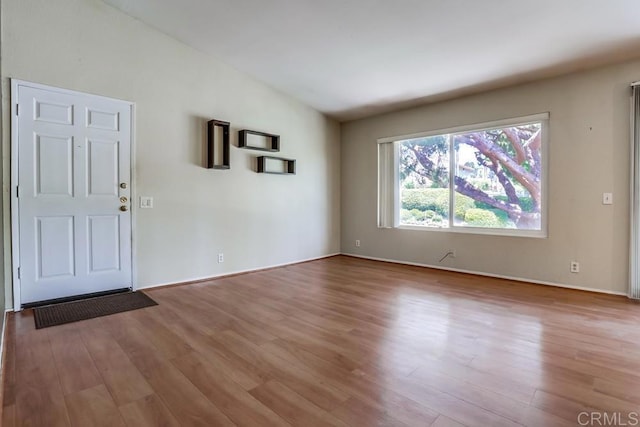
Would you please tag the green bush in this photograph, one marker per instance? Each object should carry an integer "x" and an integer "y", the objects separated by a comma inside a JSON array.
[
  {"x": 463, "y": 204},
  {"x": 526, "y": 203},
  {"x": 424, "y": 199},
  {"x": 431, "y": 205},
  {"x": 418, "y": 214},
  {"x": 483, "y": 184},
  {"x": 503, "y": 218},
  {"x": 418, "y": 217},
  {"x": 481, "y": 218}
]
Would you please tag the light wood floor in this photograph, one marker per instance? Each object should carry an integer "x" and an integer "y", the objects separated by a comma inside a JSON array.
[{"x": 340, "y": 341}]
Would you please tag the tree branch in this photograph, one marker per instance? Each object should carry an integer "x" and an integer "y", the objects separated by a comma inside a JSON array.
[
  {"x": 463, "y": 186},
  {"x": 533, "y": 145},
  {"x": 428, "y": 165},
  {"x": 523, "y": 220},
  {"x": 491, "y": 150},
  {"x": 514, "y": 140},
  {"x": 535, "y": 142},
  {"x": 509, "y": 189}
]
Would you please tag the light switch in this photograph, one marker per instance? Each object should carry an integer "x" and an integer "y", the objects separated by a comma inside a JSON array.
[
  {"x": 146, "y": 202},
  {"x": 607, "y": 198}
]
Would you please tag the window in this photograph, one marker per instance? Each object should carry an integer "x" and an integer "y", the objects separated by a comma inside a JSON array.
[{"x": 486, "y": 178}]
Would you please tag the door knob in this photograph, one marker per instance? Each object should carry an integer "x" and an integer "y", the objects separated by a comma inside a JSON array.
[
  {"x": 124, "y": 208},
  {"x": 123, "y": 199},
  {"x": 123, "y": 185}
]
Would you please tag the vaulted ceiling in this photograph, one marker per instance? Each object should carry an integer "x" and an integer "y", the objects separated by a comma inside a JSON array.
[{"x": 354, "y": 58}]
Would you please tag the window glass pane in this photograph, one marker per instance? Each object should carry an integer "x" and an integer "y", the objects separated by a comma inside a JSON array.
[
  {"x": 424, "y": 181},
  {"x": 498, "y": 178}
]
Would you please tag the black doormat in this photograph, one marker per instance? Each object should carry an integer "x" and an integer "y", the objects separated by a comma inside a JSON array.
[{"x": 67, "y": 312}]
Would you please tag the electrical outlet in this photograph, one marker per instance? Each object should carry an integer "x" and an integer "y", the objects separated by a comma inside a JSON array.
[
  {"x": 220, "y": 257},
  {"x": 607, "y": 198},
  {"x": 357, "y": 243},
  {"x": 574, "y": 267}
]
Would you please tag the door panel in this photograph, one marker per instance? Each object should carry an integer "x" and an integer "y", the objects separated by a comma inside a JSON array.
[
  {"x": 55, "y": 252},
  {"x": 53, "y": 112},
  {"x": 103, "y": 243},
  {"x": 54, "y": 165},
  {"x": 73, "y": 152},
  {"x": 103, "y": 120},
  {"x": 103, "y": 168}
]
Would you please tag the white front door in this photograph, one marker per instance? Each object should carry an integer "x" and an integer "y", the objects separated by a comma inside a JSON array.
[{"x": 73, "y": 191}]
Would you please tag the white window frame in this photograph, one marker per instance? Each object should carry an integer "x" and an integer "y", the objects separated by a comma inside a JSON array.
[{"x": 542, "y": 118}]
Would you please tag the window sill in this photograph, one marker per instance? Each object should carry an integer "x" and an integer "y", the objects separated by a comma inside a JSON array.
[{"x": 536, "y": 234}]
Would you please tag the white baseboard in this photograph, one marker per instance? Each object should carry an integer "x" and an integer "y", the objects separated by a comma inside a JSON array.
[
  {"x": 481, "y": 273},
  {"x": 233, "y": 273}
]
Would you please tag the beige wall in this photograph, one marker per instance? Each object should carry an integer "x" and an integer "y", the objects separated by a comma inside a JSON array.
[
  {"x": 588, "y": 155},
  {"x": 256, "y": 220}
]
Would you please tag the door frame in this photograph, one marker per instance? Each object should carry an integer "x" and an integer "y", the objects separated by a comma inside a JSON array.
[{"x": 15, "y": 214}]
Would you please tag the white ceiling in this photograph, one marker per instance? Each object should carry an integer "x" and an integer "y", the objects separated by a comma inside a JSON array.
[{"x": 354, "y": 58}]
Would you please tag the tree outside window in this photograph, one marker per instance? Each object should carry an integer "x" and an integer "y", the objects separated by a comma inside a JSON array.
[{"x": 495, "y": 176}]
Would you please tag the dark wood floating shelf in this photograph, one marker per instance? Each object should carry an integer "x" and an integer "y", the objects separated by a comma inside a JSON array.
[
  {"x": 273, "y": 140},
  {"x": 212, "y": 162},
  {"x": 290, "y": 165}
]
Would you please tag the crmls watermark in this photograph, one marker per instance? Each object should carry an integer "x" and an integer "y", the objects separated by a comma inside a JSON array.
[{"x": 609, "y": 419}]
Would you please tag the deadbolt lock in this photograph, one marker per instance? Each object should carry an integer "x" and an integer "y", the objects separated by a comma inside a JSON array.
[
  {"x": 124, "y": 208},
  {"x": 123, "y": 199},
  {"x": 123, "y": 185}
]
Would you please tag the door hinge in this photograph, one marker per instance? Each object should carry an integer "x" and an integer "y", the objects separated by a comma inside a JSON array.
[
  {"x": 17, "y": 191},
  {"x": 18, "y": 272},
  {"x": 17, "y": 109}
]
